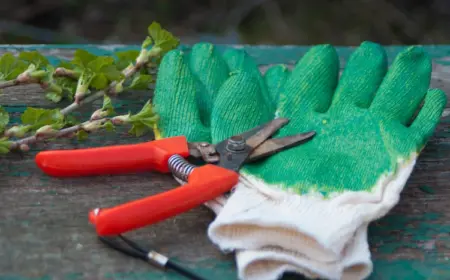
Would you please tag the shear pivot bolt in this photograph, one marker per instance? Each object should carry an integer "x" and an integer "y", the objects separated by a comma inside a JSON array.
[{"x": 236, "y": 143}]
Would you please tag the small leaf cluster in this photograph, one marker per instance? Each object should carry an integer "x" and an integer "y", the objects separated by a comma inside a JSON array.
[
  {"x": 77, "y": 78},
  {"x": 142, "y": 122}
]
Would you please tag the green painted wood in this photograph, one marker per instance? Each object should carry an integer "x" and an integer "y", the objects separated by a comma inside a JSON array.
[
  {"x": 44, "y": 233},
  {"x": 278, "y": 54}
]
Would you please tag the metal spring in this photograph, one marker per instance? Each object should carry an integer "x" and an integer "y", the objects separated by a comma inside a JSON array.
[{"x": 180, "y": 168}]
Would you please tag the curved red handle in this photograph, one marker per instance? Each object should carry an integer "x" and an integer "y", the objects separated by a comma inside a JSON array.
[
  {"x": 119, "y": 159},
  {"x": 205, "y": 183}
]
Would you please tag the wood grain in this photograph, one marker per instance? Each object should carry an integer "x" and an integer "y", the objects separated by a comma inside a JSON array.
[{"x": 44, "y": 231}]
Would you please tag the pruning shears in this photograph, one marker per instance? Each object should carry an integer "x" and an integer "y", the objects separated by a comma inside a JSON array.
[{"x": 203, "y": 183}]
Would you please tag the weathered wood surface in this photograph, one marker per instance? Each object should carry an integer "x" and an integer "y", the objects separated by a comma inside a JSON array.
[{"x": 44, "y": 231}]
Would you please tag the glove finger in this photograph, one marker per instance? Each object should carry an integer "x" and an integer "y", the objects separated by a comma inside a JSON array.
[
  {"x": 175, "y": 100},
  {"x": 404, "y": 86},
  {"x": 240, "y": 60},
  {"x": 429, "y": 115},
  {"x": 239, "y": 106},
  {"x": 361, "y": 77},
  {"x": 211, "y": 71},
  {"x": 311, "y": 84},
  {"x": 275, "y": 78}
]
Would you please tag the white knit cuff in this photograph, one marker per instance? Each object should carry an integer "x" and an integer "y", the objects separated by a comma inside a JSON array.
[
  {"x": 257, "y": 216},
  {"x": 271, "y": 263}
]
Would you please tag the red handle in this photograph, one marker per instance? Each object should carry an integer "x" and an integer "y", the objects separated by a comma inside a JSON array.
[
  {"x": 205, "y": 183},
  {"x": 149, "y": 156}
]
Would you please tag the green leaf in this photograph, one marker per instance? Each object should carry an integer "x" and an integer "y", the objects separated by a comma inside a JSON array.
[
  {"x": 82, "y": 58},
  {"x": 105, "y": 72},
  {"x": 35, "y": 58},
  {"x": 54, "y": 96},
  {"x": 138, "y": 129},
  {"x": 97, "y": 64},
  {"x": 107, "y": 105},
  {"x": 147, "y": 42},
  {"x": 100, "y": 81},
  {"x": 162, "y": 38},
  {"x": 141, "y": 82},
  {"x": 143, "y": 121},
  {"x": 71, "y": 120},
  {"x": 37, "y": 117},
  {"x": 112, "y": 73},
  {"x": 125, "y": 58},
  {"x": 66, "y": 64},
  {"x": 54, "y": 93},
  {"x": 82, "y": 135},
  {"x": 146, "y": 111},
  {"x": 97, "y": 71},
  {"x": 10, "y": 67},
  {"x": 4, "y": 119},
  {"x": 68, "y": 85},
  {"x": 129, "y": 55},
  {"x": 108, "y": 126},
  {"x": 5, "y": 145}
]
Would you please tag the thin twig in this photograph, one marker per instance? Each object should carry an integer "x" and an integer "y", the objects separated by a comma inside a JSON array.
[
  {"x": 60, "y": 134},
  {"x": 128, "y": 72},
  {"x": 25, "y": 142},
  {"x": 10, "y": 83}
]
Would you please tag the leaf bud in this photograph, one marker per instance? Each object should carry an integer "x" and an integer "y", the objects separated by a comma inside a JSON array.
[
  {"x": 46, "y": 131},
  {"x": 118, "y": 120},
  {"x": 24, "y": 147},
  {"x": 99, "y": 114},
  {"x": 16, "y": 131}
]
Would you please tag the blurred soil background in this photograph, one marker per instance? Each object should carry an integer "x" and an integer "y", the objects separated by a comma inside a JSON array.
[{"x": 276, "y": 22}]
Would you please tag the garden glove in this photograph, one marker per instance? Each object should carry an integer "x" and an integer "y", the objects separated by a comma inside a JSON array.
[
  {"x": 188, "y": 83},
  {"x": 307, "y": 209}
]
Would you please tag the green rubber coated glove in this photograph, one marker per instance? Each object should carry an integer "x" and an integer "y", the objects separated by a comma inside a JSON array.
[
  {"x": 307, "y": 209},
  {"x": 188, "y": 83}
]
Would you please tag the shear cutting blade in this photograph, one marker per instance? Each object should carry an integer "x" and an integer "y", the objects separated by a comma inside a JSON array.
[
  {"x": 257, "y": 143},
  {"x": 265, "y": 132},
  {"x": 272, "y": 146}
]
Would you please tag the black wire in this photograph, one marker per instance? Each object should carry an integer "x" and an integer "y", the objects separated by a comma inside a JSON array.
[
  {"x": 124, "y": 250},
  {"x": 133, "y": 244},
  {"x": 138, "y": 252}
]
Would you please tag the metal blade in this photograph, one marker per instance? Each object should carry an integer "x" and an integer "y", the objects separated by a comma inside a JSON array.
[
  {"x": 276, "y": 145},
  {"x": 208, "y": 152},
  {"x": 203, "y": 150},
  {"x": 234, "y": 151},
  {"x": 266, "y": 132}
]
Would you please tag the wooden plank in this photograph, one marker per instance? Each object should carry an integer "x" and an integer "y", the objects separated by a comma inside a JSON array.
[{"x": 44, "y": 233}]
